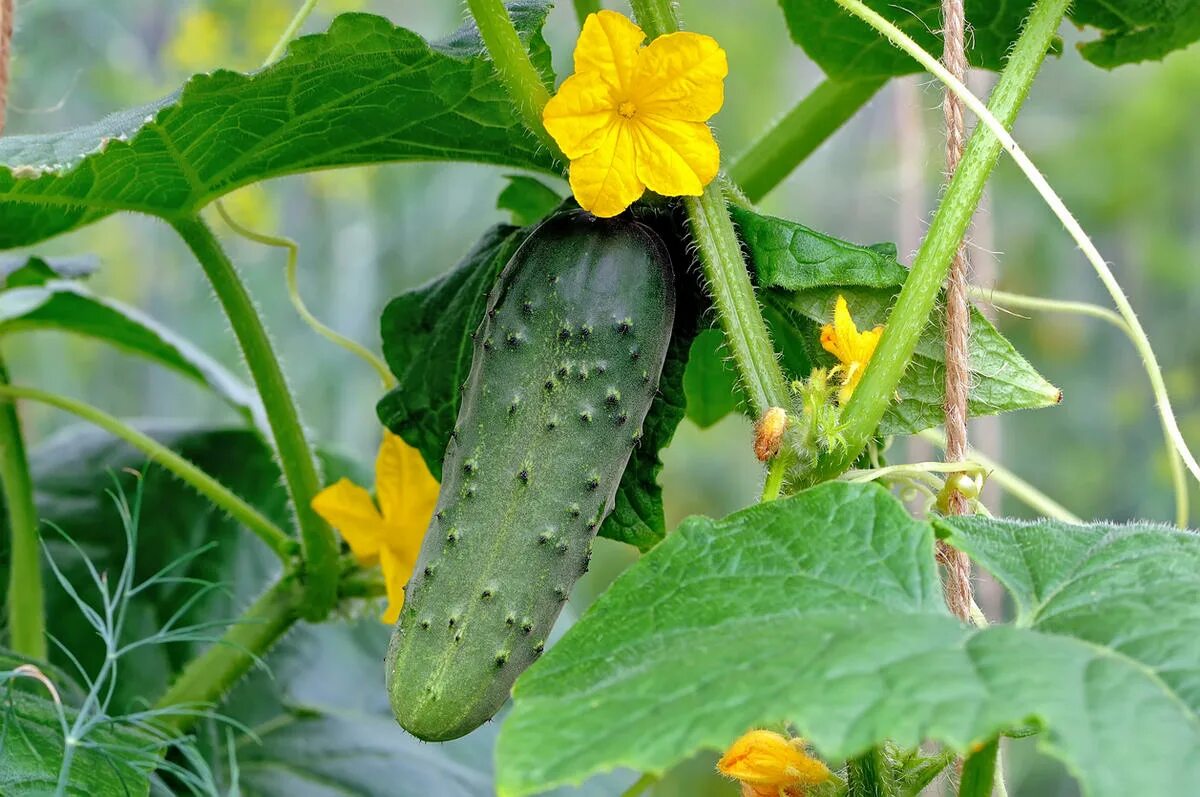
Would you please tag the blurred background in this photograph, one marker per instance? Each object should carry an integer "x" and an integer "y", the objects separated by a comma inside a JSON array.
[{"x": 1120, "y": 147}]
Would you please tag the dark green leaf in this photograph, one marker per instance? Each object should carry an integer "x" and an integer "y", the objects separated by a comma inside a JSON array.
[
  {"x": 824, "y": 610},
  {"x": 1136, "y": 30},
  {"x": 37, "y": 298},
  {"x": 710, "y": 382},
  {"x": 803, "y": 272},
  {"x": 528, "y": 199},
  {"x": 365, "y": 92}
]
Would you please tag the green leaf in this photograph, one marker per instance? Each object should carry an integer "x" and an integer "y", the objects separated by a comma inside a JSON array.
[
  {"x": 804, "y": 272},
  {"x": 426, "y": 336},
  {"x": 528, "y": 199},
  {"x": 1136, "y": 30},
  {"x": 710, "y": 382},
  {"x": 41, "y": 296},
  {"x": 846, "y": 48},
  {"x": 114, "y": 760},
  {"x": 365, "y": 92},
  {"x": 824, "y": 610}
]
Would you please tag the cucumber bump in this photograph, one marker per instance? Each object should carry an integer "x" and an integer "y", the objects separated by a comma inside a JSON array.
[{"x": 565, "y": 366}]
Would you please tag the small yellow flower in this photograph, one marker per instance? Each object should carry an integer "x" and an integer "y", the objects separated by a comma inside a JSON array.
[
  {"x": 391, "y": 534},
  {"x": 634, "y": 117},
  {"x": 853, "y": 348},
  {"x": 769, "y": 765}
]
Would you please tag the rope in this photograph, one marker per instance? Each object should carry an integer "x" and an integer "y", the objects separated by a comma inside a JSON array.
[{"x": 958, "y": 567}]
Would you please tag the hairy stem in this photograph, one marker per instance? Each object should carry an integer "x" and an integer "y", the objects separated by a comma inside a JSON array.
[
  {"x": 220, "y": 495},
  {"x": 296, "y": 457},
  {"x": 210, "y": 675},
  {"x": 797, "y": 135},
  {"x": 979, "y": 771},
  {"x": 26, "y": 604},
  {"x": 290, "y": 31},
  {"x": 870, "y": 775},
  {"x": 516, "y": 69},
  {"x": 912, "y": 310}
]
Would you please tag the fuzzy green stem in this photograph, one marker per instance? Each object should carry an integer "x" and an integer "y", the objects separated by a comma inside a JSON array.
[
  {"x": 515, "y": 67},
  {"x": 26, "y": 604},
  {"x": 797, "y": 135},
  {"x": 290, "y": 31},
  {"x": 220, "y": 495},
  {"x": 911, "y": 313},
  {"x": 296, "y": 457},
  {"x": 656, "y": 17},
  {"x": 583, "y": 8},
  {"x": 979, "y": 771},
  {"x": 209, "y": 676},
  {"x": 776, "y": 472},
  {"x": 870, "y": 775}
]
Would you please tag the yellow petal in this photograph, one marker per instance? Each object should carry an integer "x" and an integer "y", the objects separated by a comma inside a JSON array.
[
  {"x": 349, "y": 509},
  {"x": 605, "y": 181},
  {"x": 764, "y": 758},
  {"x": 674, "y": 158},
  {"x": 397, "y": 566},
  {"x": 681, "y": 75},
  {"x": 406, "y": 490},
  {"x": 579, "y": 115},
  {"x": 608, "y": 46}
]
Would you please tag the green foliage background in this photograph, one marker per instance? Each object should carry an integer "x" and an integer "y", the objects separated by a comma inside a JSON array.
[{"x": 1120, "y": 147}]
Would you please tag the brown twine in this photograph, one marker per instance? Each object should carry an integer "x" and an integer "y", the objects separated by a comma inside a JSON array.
[
  {"x": 6, "y": 31},
  {"x": 958, "y": 567}
]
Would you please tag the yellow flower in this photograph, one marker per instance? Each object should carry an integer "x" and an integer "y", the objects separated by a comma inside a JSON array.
[
  {"x": 391, "y": 534},
  {"x": 634, "y": 117},
  {"x": 202, "y": 41},
  {"x": 853, "y": 348},
  {"x": 769, "y": 765}
]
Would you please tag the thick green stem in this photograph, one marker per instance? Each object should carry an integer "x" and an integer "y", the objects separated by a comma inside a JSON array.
[
  {"x": 26, "y": 605},
  {"x": 911, "y": 313},
  {"x": 979, "y": 771},
  {"x": 220, "y": 495},
  {"x": 656, "y": 17},
  {"x": 296, "y": 457},
  {"x": 797, "y": 135},
  {"x": 516, "y": 69},
  {"x": 870, "y": 775},
  {"x": 209, "y": 676},
  {"x": 585, "y": 7}
]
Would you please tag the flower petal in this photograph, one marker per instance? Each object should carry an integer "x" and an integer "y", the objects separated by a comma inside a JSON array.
[
  {"x": 608, "y": 46},
  {"x": 605, "y": 181},
  {"x": 397, "y": 568},
  {"x": 349, "y": 509},
  {"x": 681, "y": 75},
  {"x": 579, "y": 115},
  {"x": 674, "y": 158},
  {"x": 406, "y": 490}
]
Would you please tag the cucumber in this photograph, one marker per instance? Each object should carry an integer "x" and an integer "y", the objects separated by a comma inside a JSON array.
[{"x": 566, "y": 364}]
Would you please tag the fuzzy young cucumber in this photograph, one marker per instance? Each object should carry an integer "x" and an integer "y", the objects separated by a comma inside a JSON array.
[{"x": 566, "y": 364}]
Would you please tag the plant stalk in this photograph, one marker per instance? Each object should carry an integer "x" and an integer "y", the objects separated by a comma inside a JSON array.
[
  {"x": 979, "y": 771},
  {"x": 515, "y": 67},
  {"x": 912, "y": 310},
  {"x": 870, "y": 775},
  {"x": 296, "y": 457},
  {"x": 26, "y": 602},
  {"x": 221, "y": 496},
  {"x": 290, "y": 31},
  {"x": 210, "y": 675},
  {"x": 797, "y": 135}
]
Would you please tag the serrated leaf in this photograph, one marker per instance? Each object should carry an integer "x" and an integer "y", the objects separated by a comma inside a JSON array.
[
  {"x": 427, "y": 343},
  {"x": 528, "y": 199},
  {"x": 37, "y": 297},
  {"x": 364, "y": 92},
  {"x": 824, "y": 610},
  {"x": 114, "y": 760},
  {"x": 1136, "y": 30},
  {"x": 802, "y": 271}
]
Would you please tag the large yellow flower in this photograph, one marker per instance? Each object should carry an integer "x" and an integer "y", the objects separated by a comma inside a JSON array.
[
  {"x": 391, "y": 534},
  {"x": 770, "y": 765},
  {"x": 853, "y": 348},
  {"x": 634, "y": 117}
]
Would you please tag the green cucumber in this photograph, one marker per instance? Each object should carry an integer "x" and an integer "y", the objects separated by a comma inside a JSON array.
[{"x": 566, "y": 364}]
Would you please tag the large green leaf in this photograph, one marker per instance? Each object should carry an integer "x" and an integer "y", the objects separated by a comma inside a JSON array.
[
  {"x": 40, "y": 295},
  {"x": 426, "y": 337},
  {"x": 825, "y": 610},
  {"x": 802, "y": 273},
  {"x": 365, "y": 92},
  {"x": 847, "y": 48}
]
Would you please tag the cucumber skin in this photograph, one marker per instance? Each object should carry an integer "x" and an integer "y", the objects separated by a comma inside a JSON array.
[{"x": 565, "y": 367}]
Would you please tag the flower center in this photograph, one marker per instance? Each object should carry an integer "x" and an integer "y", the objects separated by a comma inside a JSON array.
[{"x": 627, "y": 109}]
